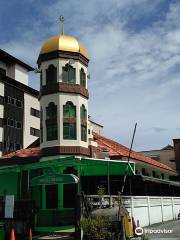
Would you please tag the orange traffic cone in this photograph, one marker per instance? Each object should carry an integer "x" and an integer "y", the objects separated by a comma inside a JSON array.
[
  {"x": 30, "y": 234},
  {"x": 12, "y": 234}
]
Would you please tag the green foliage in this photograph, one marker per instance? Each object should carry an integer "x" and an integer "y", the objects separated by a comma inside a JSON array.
[
  {"x": 97, "y": 228},
  {"x": 145, "y": 237}
]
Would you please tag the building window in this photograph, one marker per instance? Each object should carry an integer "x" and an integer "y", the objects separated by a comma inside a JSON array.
[
  {"x": 1, "y": 122},
  {"x": 69, "y": 121},
  {"x": 154, "y": 173},
  {"x": 35, "y": 112},
  {"x": 18, "y": 125},
  {"x": 1, "y": 146},
  {"x": 7, "y": 99},
  {"x": 83, "y": 123},
  {"x": 69, "y": 131},
  {"x": 2, "y": 72},
  {"x": 82, "y": 78},
  {"x": 83, "y": 133},
  {"x": 69, "y": 110},
  {"x": 34, "y": 132},
  {"x": 1, "y": 100},
  {"x": 51, "y": 74},
  {"x": 19, "y": 103},
  {"x": 83, "y": 113},
  {"x": 13, "y": 101},
  {"x": 69, "y": 74},
  {"x": 51, "y": 122},
  {"x": 11, "y": 123}
]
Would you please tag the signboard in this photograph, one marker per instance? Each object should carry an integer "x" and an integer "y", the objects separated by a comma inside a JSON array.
[
  {"x": 50, "y": 179},
  {"x": 9, "y": 206}
]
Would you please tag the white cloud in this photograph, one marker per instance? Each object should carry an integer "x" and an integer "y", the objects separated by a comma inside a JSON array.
[{"x": 134, "y": 74}]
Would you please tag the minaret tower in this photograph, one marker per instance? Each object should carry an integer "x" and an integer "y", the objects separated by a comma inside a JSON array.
[{"x": 63, "y": 63}]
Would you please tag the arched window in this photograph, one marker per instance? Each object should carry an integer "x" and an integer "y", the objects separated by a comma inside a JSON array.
[
  {"x": 69, "y": 110},
  {"x": 51, "y": 122},
  {"x": 51, "y": 74},
  {"x": 83, "y": 123},
  {"x": 69, "y": 121},
  {"x": 69, "y": 74},
  {"x": 82, "y": 78}
]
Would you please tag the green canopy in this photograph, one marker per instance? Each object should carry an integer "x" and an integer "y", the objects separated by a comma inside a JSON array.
[{"x": 49, "y": 179}]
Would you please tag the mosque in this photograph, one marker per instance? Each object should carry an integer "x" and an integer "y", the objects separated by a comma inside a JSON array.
[{"x": 71, "y": 153}]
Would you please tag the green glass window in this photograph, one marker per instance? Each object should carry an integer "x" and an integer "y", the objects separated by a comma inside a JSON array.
[
  {"x": 69, "y": 74},
  {"x": 84, "y": 133},
  {"x": 51, "y": 122},
  {"x": 83, "y": 123},
  {"x": 83, "y": 113},
  {"x": 69, "y": 110},
  {"x": 69, "y": 121},
  {"x": 51, "y": 111},
  {"x": 51, "y": 132},
  {"x": 82, "y": 78},
  {"x": 69, "y": 131}
]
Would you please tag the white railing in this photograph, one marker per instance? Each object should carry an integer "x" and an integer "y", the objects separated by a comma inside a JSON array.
[{"x": 145, "y": 209}]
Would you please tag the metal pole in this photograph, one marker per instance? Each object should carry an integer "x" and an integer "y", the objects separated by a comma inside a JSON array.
[
  {"x": 62, "y": 24},
  {"x": 125, "y": 176},
  {"x": 108, "y": 180}
]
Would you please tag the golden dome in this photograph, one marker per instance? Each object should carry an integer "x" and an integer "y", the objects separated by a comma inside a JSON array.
[{"x": 64, "y": 43}]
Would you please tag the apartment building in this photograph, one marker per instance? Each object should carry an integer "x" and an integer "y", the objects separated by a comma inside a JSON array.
[{"x": 19, "y": 105}]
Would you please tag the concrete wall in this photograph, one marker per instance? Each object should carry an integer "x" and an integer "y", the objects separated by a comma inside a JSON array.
[
  {"x": 17, "y": 72},
  {"x": 96, "y": 127},
  {"x": 21, "y": 74},
  {"x": 29, "y": 120},
  {"x": 150, "y": 210},
  {"x": 166, "y": 156}
]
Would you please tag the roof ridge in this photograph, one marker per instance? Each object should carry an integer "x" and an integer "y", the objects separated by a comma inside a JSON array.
[{"x": 135, "y": 155}]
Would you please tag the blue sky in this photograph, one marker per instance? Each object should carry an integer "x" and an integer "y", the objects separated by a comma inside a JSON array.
[{"x": 135, "y": 59}]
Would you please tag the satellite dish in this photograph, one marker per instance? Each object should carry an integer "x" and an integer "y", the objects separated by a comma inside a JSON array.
[{"x": 88, "y": 76}]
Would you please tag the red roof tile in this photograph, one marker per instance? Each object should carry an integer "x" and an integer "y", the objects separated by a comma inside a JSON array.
[
  {"x": 117, "y": 149},
  {"x": 104, "y": 144},
  {"x": 29, "y": 152}
]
